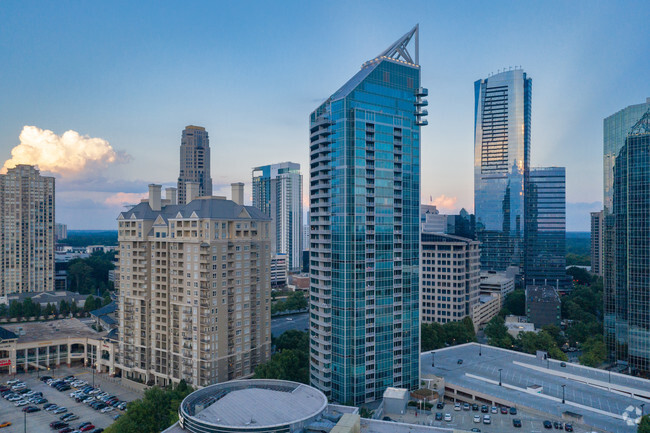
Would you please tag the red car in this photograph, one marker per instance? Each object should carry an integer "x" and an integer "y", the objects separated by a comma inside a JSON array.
[
  {"x": 87, "y": 427},
  {"x": 504, "y": 410}
]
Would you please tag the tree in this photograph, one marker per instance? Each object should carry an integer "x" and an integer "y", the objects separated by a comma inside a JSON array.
[
  {"x": 292, "y": 339},
  {"x": 289, "y": 364},
  {"x": 15, "y": 309},
  {"x": 4, "y": 310},
  {"x": 80, "y": 275},
  {"x": 89, "y": 304},
  {"x": 531, "y": 342},
  {"x": 156, "y": 411},
  {"x": 556, "y": 333},
  {"x": 515, "y": 303},
  {"x": 644, "y": 425},
  {"x": 594, "y": 352},
  {"x": 497, "y": 333},
  {"x": 64, "y": 308},
  {"x": 29, "y": 308},
  {"x": 432, "y": 336},
  {"x": 107, "y": 298},
  {"x": 580, "y": 275}
]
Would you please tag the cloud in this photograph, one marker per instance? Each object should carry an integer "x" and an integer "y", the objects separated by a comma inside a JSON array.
[
  {"x": 124, "y": 198},
  {"x": 443, "y": 202},
  {"x": 68, "y": 155}
]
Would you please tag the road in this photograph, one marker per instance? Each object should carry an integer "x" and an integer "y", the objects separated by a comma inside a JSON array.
[{"x": 299, "y": 322}]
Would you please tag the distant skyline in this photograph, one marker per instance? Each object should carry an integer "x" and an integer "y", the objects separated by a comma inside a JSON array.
[{"x": 131, "y": 76}]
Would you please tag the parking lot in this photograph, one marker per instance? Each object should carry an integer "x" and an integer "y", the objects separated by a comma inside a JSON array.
[
  {"x": 39, "y": 422},
  {"x": 464, "y": 420}
]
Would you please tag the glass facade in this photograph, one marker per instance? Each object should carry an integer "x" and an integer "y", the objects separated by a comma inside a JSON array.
[
  {"x": 545, "y": 228},
  {"x": 615, "y": 130},
  {"x": 364, "y": 224},
  {"x": 501, "y": 164},
  {"x": 631, "y": 224},
  {"x": 277, "y": 192}
]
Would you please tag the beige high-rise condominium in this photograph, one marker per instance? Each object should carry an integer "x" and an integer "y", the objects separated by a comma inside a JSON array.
[
  {"x": 194, "y": 289},
  {"x": 27, "y": 234}
]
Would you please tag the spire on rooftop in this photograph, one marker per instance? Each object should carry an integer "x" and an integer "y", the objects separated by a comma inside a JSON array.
[{"x": 399, "y": 51}]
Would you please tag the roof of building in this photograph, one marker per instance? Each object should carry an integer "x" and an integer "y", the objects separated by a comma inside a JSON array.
[
  {"x": 443, "y": 237},
  {"x": 202, "y": 207},
  {"x": 48, "y": 297},
  {"x": 253, "y": 404},
  {"x": 542, "y": 294},
  {"x": 36, "y": 331},
  {"x": 106, "y": 309},
  {"x": 6, "y": 334},
  {"x": 398, "y": 393},
  {"x": 603, "y": 399}
]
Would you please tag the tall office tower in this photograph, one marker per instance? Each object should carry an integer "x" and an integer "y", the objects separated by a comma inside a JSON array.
[
  {"x": 195, "y": 163},
  {"x": 277, "y": 191},
  {"x": 451, "y": 276},
  {"x": 597, "y": 243},
  {"x": 615, "y": 130},
  {"x": 364, "y": 252},
  {"x": 431, "y": 220},
  {"x": 501, "y": 161},
  {"x": 545, "y": 228},
  {"x": 27, "y": 235},
  {"x": 194, "y": 289},
  {"x": 631, "y": 212}
]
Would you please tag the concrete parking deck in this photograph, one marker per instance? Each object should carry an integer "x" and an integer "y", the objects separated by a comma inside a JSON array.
[{"x": 607, "y": 406}]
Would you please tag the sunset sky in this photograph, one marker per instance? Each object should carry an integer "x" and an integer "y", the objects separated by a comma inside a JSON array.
[{"x": 125, "y": 78}]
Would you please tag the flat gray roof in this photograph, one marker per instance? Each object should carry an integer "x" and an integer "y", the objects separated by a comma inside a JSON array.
[
  {"x": 51, "y": 330},
  {"x": 251, "y": 407},
  {"x": 588, "y": 391}
]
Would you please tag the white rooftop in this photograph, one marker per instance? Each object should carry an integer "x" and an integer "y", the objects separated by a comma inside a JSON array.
[
  {"x": 398, "y": 393},
  {"x": 252, "y": 407}
]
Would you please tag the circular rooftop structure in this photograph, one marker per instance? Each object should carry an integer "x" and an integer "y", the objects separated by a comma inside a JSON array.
[{"x": 255, "y": 405}]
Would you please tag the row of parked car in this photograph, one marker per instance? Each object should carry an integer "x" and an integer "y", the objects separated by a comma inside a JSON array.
[{"x": 17, "y": 392}]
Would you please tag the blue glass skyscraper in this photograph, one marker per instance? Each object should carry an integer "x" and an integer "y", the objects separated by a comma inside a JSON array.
[
  {"x": 364, "y": 224},
  {"x": 502, "y": 109}
]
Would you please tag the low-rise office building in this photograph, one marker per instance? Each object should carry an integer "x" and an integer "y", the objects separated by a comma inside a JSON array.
[
  {"x": 500, "y": 283},
  {"x": 486, "y": 309},
  {"x": 543, "y": 306},
  {"x": 48, "y": 345}
]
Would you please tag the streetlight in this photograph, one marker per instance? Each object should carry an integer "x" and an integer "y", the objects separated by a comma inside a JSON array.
[
  {"x": 563, "y": 393},
  {"x": 642, "y": 405},
  {"x": 500, "y": 376},
  {"x": 479, "y": 349},
  {"x": 610, "y": 376},
  {"x": 433, "y": 359},
  {"x": 25, "y": 420}
]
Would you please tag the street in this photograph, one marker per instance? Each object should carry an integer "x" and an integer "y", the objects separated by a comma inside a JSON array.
[{"x": 298, "y": 322}]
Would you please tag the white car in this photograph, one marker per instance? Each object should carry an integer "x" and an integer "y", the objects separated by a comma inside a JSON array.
[
  {"x": 13, "y": 381},
  {"x": 487, "y": 419},
  {"x": 457, "y": 406},
  {"x": 447, "y": 417},
  {"x": 107, "y": 409},
  {"x": 21, "y": 403},
  {"x": 477, "y": 418},
  {"x": 494, "y": 409}
]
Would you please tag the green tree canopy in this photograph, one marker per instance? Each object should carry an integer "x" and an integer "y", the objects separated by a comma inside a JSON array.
[
  {"x": 515, "y": 303},
  {"x": 497, "y": 333},
  {"x": 89, "y": 304},
  {"x": 156, "y": 411},
  {"x": 531, "y": 342},
  {"x": 594, "y": 352},
  {"x": 292, "y": 339},
  {"x": 644, "y": 425}
]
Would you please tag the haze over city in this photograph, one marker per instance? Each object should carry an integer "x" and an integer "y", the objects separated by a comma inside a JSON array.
[{"x": 125, "y": 79}]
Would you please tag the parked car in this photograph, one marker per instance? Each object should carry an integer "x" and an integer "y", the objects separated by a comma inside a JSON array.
[
  {"x": 87, "y": 428},
  {"x": 65, "y": 430},
  {"x": 513, "y": 411},
  {"x": 97, "y": 430},
  {"x": 5, "y": 424},
  {"x": 475, "y": 407},
  {"x": 58, "y": 424},
  {"x": 557, "y": 425},
  {"x": 548, "y": 424},
  {"x": 107, "y": 409},
  {"x": 13, "y": 381},
  {"x": 52, "y": 408},
  {"x": 438, "y": 416},
  {"x": 516, "y": 422},
  {"x": 440, "y": 405},
  {"x": 487, "y": 419},
  {"x": 59, "y": 410},
  {"x": 568, "y": 427},
  {"x": 448, "y": 417},
  {"x": 32, "y": 409},
  {"x": 45, "y": 378},
  {"x": 20, "y": 403},
  {"x": 504, "y": 410},
  {"x": 477, "y": 418},
  {"x": 484, "y": 409},
  {"x": 493, "y": 409},
  {"x": 71, "y": 418}
]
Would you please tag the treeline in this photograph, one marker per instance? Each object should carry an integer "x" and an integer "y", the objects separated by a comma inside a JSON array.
[
  {"x": 582, "y": 311},
  {"x": 83, "y": 238},
  {"x": 290, "y": 360},
  {"x": 90, "y": 275},
  {"x": 435, "y": 335},
  {"x": 29, "y": 308},
  {"x": 153, "y": 413},
  {"x": 295, "y": 301}
]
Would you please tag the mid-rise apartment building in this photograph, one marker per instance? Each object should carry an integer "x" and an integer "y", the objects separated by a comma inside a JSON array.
[
  {"x": 194, "y": 289},
  {"x": 450, "y": 277},
  {"x": 27, "y": 231}
]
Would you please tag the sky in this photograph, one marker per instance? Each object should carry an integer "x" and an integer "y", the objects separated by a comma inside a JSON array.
[{"x": 97, "y": 93}]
